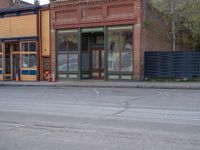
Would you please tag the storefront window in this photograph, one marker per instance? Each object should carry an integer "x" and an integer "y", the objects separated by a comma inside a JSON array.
[
  {"x": 120, "y": 49},
  {"x": 126, "y": 61},
  {"x": 67, "y": 40},
  {"x": 113, "y": 61},
  {"x": 29, "y": 56},
  {"x": 67, "y": 51},
  {"x": 32, "y": 61},
  {"x": 25, "y": 61},
  {"x": 62, "y": 63},
  {"x": 73, "y": 62}
]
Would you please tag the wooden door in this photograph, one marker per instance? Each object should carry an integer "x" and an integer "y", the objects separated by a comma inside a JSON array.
[{"x": 97, "y": 64}]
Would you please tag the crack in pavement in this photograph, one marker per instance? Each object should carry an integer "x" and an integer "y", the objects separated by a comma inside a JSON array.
[{"x": 125, "y": 105}]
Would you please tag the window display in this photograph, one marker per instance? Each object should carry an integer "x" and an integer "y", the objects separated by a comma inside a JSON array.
[
  {"x": 67, "y": 51},
  {"x": 120, "y": 49},
  {"x": 32, "y": 61},
  {"x": 29, "y": 57},
  {"x": 25, "y": 61}
]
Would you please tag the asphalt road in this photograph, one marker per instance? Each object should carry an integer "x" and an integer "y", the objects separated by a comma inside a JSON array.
[{"x": 47, "y": 118}]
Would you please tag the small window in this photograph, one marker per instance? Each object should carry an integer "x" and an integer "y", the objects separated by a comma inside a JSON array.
[
  {"x": 25, "y": 61},
  {"x": 62, "y": 63},
  {"x": 32, "y": 47},
  {"x": 32, "y": 61},
  {"x": 25, "y": 47},
  {"x": 16, "y": 47}
]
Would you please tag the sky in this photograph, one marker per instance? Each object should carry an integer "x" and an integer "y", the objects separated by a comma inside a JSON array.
[{"x": 41, "y": 1}]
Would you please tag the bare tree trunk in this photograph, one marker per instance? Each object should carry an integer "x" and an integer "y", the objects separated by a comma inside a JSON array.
[
  {"x": 172, "y": 3},
  {"x": 174, "y": 33}
]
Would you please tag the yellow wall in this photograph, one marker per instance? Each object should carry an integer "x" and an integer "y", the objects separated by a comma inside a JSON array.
[
  {"x": 19, "y": 26},
  {"x": 45, "y": 31},
  {"x": 5, "y": 27}
]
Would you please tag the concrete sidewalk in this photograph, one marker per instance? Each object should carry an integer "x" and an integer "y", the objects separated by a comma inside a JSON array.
[{"x": 108, "y": 84}]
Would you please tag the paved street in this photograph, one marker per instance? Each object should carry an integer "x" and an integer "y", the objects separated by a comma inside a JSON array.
[{"x": 61, "y": 118}]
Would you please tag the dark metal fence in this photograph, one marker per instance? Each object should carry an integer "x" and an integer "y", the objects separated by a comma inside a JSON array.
[{"x": 172, "y": 64}]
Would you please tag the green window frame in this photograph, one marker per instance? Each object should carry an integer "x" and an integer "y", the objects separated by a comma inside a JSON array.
[
  {"x": 120, "y": 50},
  {"x": 67, "y": 53}
]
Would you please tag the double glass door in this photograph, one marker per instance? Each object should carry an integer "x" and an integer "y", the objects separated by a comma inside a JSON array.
[
  {"x": 92, "y": 53},
  {"x": 12, "y": 61}
]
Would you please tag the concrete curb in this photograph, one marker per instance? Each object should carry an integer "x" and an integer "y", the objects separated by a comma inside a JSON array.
[{"x": 147, "y": 85}]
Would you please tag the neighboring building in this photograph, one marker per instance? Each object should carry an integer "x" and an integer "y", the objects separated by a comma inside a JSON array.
[
  {"x": 24, "y": 40},
  {"x": 96, "y": 39},
  {"x": 13, "y": 3},
  {"x": 79, "y": 39}
]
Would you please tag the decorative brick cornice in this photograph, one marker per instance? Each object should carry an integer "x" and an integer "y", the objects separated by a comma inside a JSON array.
[{"x": 57, "y": 4}]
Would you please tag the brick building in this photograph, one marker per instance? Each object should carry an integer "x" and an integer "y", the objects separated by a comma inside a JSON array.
[
  {"x": 24, "y": 40},
  {"x": 78, "y": 39},
  {"x": 96, "y": 39}
]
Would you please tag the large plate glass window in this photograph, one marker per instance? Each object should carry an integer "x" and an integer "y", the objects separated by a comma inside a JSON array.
[
  {"x": 120, "y": 51},
  {"x": 29, "y": 60},
  {"x": 67, "y": 53},
  {"x": 29, "y": 57}
]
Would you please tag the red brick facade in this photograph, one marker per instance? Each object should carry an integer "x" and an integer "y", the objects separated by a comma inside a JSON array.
[
  {"x": 5, "y": 3},
  {"x": 94, "y": 13}
]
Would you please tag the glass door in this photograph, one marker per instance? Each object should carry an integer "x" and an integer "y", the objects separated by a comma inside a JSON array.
[
  {"x": 7, "y": 62},
  {"x": 97, "y": 64},
  {"x": 16, "y": 66}
]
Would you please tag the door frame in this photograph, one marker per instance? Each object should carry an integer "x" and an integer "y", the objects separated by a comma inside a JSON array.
[
  {"x": 7, "y": 76},
  {"x": 101, "y": 47},
  {"x": 12, "y": 65}
]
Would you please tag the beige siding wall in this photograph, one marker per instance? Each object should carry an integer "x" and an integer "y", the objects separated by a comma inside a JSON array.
[
  {"x": 20, "y": 26},
  {"x": 5, "y": 27},
  {"x": 45, "y": 31}
]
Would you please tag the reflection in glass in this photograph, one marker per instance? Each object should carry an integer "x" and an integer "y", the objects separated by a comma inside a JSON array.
[
  {"x": 126, "y": 62},
  {"x": 73, "y": 62},
  {"x": 113, "y": 61},
  {"x": 25, "y": 61},
  {"x": 114, "y": 43},
  {"x": 102, "y": 58},
  {"x": 32, "y": 61},
  {"x": 120, "y": 48},
  {"x": 62, "y": 63},
  {"x": 128, "y": 41},
  {"x": 95, "y": 59},
  {"x": 32, "y": 47},
  {"x": 67, "y": 51},
  {"x": 67, "y": 41},
  {"x": 25, "y": 47}
]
